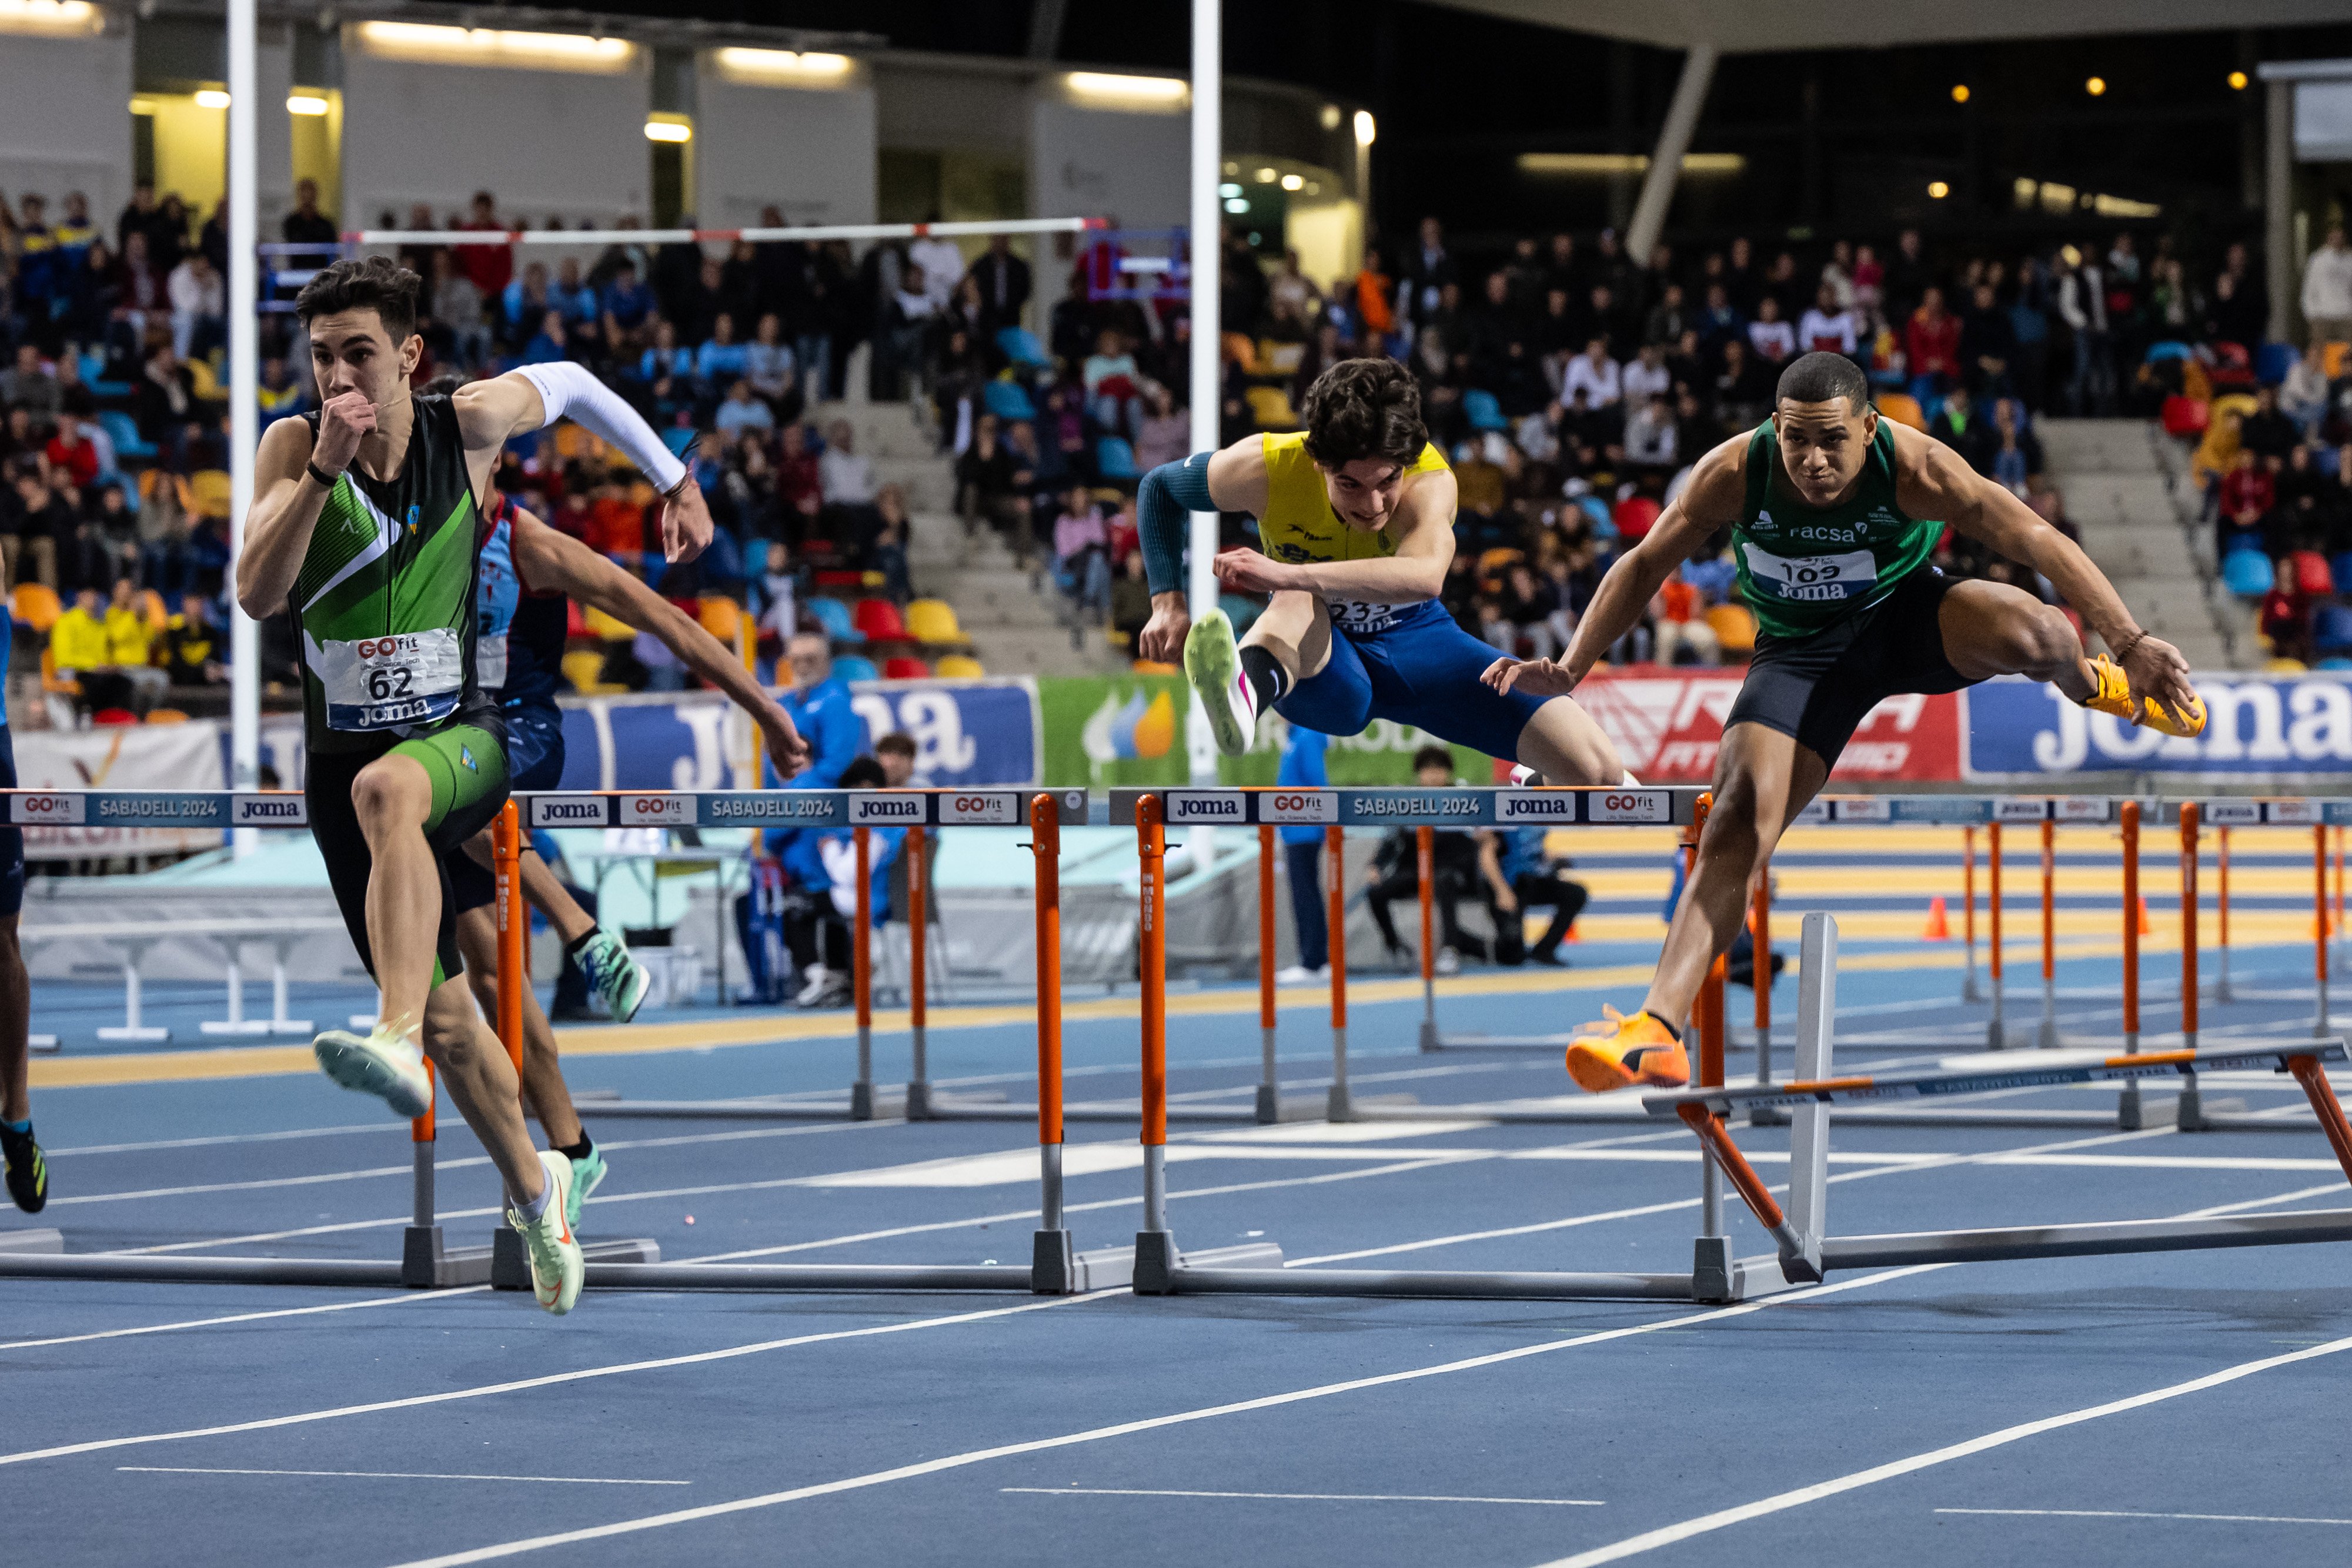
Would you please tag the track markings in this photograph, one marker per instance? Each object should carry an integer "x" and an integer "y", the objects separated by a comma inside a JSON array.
[
  {"x": 245, "y": 1318},
  {"x": 2128, "y": 1513},
  {"x": 393, "y": 1476},
  {"x": 1302, "y": 1496},
  {"x": 1781, "y": 1503}
]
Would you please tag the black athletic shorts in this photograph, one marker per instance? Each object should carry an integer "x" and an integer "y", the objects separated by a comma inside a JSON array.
[
  {"x": 1818, "y": 689},
  {"x": 468, "y": 762}
]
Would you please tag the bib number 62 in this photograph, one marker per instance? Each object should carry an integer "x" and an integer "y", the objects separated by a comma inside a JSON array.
[{"x": 389, "y": 682}]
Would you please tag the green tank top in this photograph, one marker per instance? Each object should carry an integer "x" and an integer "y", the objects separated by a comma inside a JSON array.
[
  {"x": 1803, "y": 569},
  {"x": 385, "y": 601}
]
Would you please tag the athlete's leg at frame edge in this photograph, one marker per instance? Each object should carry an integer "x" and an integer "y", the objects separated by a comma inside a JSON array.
[
  {"x": 1559, "y": 741},
  {"x": 1763, "y": 777}
]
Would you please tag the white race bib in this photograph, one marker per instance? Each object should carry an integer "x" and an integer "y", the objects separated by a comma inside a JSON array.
[
  {"x": 385, "y": 683},
  {"x": 490, "y": 662},
  {"x": 1355, "y": 616},
  {"x": 1812, "y": 579}
]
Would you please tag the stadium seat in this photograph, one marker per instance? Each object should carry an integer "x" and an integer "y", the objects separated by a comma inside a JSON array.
[
  {"x": 2331, "y": 628},
  {"x": 151, "y": 605},
  {"x": 205, "y": 380},
  {"x": 1007, "y": 400},
  {"x": 2273, "y": 668},
  {"x": 581, "y": 667},
  {"x": 679, "y": 437},
  {"x": 1634, "y": 516},
  {"x": 2341, "y": 569},
  {"x": 2272, "y": 362},
  {"x": 855, "y": 667},
  {"x": 933, "y": 621},
  {"x": 124, "y": 432},
  {"x": 605, "y": 629},
  {"x": 166, "y": 716},
  {"x": 1483, "y": 411},
  {"x": 2311, "y": 573},
  {"x": 2247, "y": 573},
  {"x": 37, "y": 605},
  {"x": 52, "y": 682},
  {"x": 1020, "y": 346},
  {"x": 1734, "y": 628},
  {"x": 1270, "y": 409},
  {"x": 2167, "y": 350},
  {"x": 2185, "y": 416},
  {"x": 959, "y": 667},
  {"x": 834, "y": 616},
  {"x": 208, "y": 492},
  {"x": 880, "y": 619},
  {"x": 113, "y": 717},
  {"x": 722, "y": 617},
  {"x": 1115, "y": 459},
  {"x": 904, "y": 667},
  {"x": 1902, "y": 409}
]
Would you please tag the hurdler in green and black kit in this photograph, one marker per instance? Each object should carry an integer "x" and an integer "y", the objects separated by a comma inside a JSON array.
[{"x": 384, "y": 607}]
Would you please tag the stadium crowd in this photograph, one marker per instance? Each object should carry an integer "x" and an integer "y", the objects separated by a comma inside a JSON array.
[{"x": 1570, "y": 384}]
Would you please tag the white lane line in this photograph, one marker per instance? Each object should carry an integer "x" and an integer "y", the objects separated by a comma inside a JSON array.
[
  {"x": 1148, "y": 1424},
  {"x": 227, "y": 1138},
  {"x": 245, "y": 1318},
  {"x": 2126, "y": 1513},
  {"x": 1303, "y": 1495},
  {"x": 550, "y": 1380},
  {"x": 1722, "y": 1519},
  {"x": 393, "y": 1476}
]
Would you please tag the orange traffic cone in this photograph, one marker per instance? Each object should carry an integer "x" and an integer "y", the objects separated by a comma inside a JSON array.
[
  {"x": 2146, "y": 928},
  {"x": 1574, "y": 935},
  {"x": 1940, "y": 928}
]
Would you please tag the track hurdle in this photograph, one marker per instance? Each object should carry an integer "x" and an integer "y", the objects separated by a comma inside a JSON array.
[
  {"x": 1162, "y": 1269},
  {"x": 1808, "y": 1251}
]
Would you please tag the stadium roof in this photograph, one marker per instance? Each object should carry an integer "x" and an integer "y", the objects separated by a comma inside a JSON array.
[{"x": 1739, "y": 27}]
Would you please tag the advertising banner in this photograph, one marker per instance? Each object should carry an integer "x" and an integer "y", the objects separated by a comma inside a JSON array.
[
  {"x": 2261, "y": 729},
  {"x": 119, "y": 756},
  {"x": 1668, "y": 723}
]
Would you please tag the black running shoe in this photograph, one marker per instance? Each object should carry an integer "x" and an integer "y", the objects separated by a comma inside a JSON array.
[{"x": 27, "y": 1172}]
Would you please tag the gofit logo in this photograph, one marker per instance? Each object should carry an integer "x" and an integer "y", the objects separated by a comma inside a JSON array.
[
  {"x": 383, "y": 647},
  {"x": 269, "y": 810},
  {"x": 1201, "y": 805},
  {"x": 1298, "y": 806},
  {"x": 997, "y": 808},
  {"x": 657, "y": 810},
  {"x": 567, "y": 812},
  {"x": 1531, "y": 806},
  {"x": 896, "y": 809},
  {"x": 52, "y": 809},
  {"x": 1631, "y": 806}
]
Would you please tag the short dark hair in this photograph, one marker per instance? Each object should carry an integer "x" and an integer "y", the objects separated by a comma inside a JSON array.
[
  {"x": 897, "y": 743},
  {"x": 1433, "y": 757},
  {"x": 862, "y": 773},
  {"x": 1364, "y": 408},
  {"x": 1823, "y": 377},
  {"x": 369, "y": 283}
]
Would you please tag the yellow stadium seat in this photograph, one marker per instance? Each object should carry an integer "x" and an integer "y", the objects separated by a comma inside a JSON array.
[
  {"x": 1902, "y": 409},
  {"x": 151, "y": 605},
  {"x": 166, "y": 716},
  {"x": 932, "y": 621},
  {"x": 959, "y": 667},
  {"x": 36, "y": 604},
  {"x": 584, "y": 668},
  {"x": 2284, "y": 667},
  {"x": 205, "y": 379},
  {"x": 53, "y": 683},
  {"x": 1270, "y": 408},
  {"x": 1280, "y": 358},
  {"x": 1239, "y": 351},
  {"x": 722, "y": 617},
  {"x": 1734, "y": 628},
  {"x": 605, "y": 628},
  {"x": 208, "y": 492}
]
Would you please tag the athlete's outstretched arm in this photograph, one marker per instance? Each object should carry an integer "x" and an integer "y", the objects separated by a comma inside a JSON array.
[
  {"x": 1233, "y": 480},
  {"x": 1934, "y": 481},
  {"x": 494, "y": 411},
  {"x": 549, "y": 562},
  {"x": 287, "y": 498},
  {"x": 1709, "y": 501},
  {"x": 1425, "y": 536}
]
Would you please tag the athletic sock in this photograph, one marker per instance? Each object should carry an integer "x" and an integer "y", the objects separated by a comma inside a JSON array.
[
  {"x": 1667, "y": 1026},
  {"x": 579, "y": 1151},
  {"x": 573, "y": 948},
  {"x": 1264, "y": 673},
  {"x": 529, "y": 1212}
]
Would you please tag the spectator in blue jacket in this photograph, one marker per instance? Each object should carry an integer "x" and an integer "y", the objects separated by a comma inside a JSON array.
[
  {"x": 723, "y": 359},
  {"x": 819, "y": 703},
  {"x": 821, "y": 906},
  {"x": 1302, "y": 857}
]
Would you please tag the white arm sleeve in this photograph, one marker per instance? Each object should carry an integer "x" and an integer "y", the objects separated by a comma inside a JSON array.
[{"x": 570, "y": 390}]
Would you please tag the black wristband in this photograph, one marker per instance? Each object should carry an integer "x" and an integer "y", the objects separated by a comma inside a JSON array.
[{"x": 326, "y": 480}]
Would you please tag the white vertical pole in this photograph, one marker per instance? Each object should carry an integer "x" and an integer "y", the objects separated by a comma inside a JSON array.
[
  {"x": 244, "y": 384},
  {"x": 1666, "y": 158},
  {"x": 1208, "y": 166}
]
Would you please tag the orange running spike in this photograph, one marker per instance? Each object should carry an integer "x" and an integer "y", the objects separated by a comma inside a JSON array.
[{"x": 1940, "y": 928}]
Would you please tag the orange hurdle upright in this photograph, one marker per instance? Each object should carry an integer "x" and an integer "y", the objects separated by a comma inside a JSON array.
[
  {"x": 1424, "y": 850},
  {"x": 1334, "y": 888},
  {"x": 2222, "y": 909},
  {"x": 2319, "y": 931},
  {"x": 1155, "y": 1248},
  {"x": 1269, "y": 1095},
  {"x": 1054, "y": 1259},
  {"x": 2046, "y": 1036},
  {"x": 2189, "y": 815},
  {"x": 1969, "y": 990},
  {"x": 1996, "y": 1031}
]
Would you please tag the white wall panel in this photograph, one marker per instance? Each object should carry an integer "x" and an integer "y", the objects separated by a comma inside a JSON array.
[
  {"x": 1090, "y": 162},
  {"x": 64, "y": 120},
  {"x": 810, "y": 151}
]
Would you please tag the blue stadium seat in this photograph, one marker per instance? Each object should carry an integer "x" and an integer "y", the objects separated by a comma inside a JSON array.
[
  {"x": 2272, "y": 362},
  {"x": 1020, "y": 346},
  {"x": 2168, "y": 351},
  {"x": 2340, "y": 568},
  {"x": 1006, "y": 400},
  {"x": 1115, "y": 459},
  {"x": 121, "y": 430},
  {"x": 679, "y": 437},
  {"x": 834, "y": 616},
  {"x": 1483, "y": 411},
  {"x": 2331, "y": 629},
  {"x": 2247, "y": 573},
  {"x": 855, "y": 667}
]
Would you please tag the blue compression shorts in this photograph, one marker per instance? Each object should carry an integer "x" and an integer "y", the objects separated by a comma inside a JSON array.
[{"x": 1424, "y": 672}]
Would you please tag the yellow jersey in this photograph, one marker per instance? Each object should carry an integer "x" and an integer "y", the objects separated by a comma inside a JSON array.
[{"x": 1298, "y": 526}]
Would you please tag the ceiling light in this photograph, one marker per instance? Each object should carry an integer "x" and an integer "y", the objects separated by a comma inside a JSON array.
[
  {"x": 1293, "y": 182},
  {"x": 2238, "y": 82},
  {"x": 1960, "y": 92},
  {"x": 1237, "y": 204},
  {"x": 429, "y": 44},
  {"x": 2096, "y": 86},
  {"x": 1330, "y": 117},
  {"x": 305, "y": 103},
  {"x": 211, "y": 98},
  {"x": 1265, "y": 176},
  {"x": 1939, "y": 189},
  {"x": 784, "y": 68},
  {"x": 1149, "y": 94},
  {"x": 1229, "y": 190},
  {"x": 668, "y": 131},
  {"x": 51, "y": 17},
  {"x": 1365, "y": 129}
]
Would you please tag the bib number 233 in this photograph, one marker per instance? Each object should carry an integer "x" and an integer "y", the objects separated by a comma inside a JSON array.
[{"x": 384, "y": 683}]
